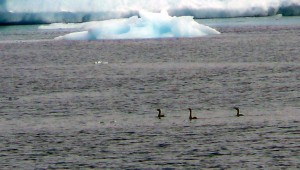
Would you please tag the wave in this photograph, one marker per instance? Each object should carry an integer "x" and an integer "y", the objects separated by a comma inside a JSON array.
[{"x": 66, "y": 11}]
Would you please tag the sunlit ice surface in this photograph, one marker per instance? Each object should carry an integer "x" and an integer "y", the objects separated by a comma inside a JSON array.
[
  {"x": 148, "y": 25},
  {"x": 66, "y": 11}
]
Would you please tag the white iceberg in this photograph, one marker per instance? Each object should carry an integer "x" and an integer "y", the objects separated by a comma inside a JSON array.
[{"x": 149, "y": 25}]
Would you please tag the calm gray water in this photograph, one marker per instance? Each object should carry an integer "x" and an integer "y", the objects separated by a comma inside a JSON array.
[{"x": 60, "y": 110}]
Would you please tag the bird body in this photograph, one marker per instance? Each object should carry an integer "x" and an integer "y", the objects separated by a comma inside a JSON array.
[
  {"x": 238, "y": 112},
  {"x": 159, "y": 114},
  {"x": 191, "y": 117}
]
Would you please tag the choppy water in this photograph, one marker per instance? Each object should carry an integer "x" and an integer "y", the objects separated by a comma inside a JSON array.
[{"x": 61, "y": 110}]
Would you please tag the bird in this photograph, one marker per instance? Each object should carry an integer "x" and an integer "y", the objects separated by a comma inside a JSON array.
[
  {"x": 238, "y": 112},
  {"x": 191, "y": 115},
  {"x": 159, "y": 114}
]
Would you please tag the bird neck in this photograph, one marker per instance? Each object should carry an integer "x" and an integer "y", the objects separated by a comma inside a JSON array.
[{"x": 190, "y": 113}]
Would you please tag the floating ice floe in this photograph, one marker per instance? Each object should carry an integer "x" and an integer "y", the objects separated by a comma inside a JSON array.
[
  {"x": 101, "y": 62},
  {"x": 149, "y": 25}
]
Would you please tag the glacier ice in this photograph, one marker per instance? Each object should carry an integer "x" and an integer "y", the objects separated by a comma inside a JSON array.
[
  {"x": 70, "y": 11},
  {"x": 148, "y": 25}
]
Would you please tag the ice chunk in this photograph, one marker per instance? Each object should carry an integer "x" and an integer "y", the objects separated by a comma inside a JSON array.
[{"x": 149, "y": 25}]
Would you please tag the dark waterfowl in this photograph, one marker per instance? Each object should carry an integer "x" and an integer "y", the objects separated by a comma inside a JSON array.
[
  {"x": 238, "y": 112},
  {"x": 191, "y": 117},
  {"x": 159, "y": 114}
]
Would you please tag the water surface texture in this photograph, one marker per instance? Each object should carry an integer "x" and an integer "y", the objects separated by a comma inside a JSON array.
[{"x": 60, "y": 110}]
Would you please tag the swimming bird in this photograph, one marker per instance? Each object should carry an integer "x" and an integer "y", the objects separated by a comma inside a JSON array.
[
  {"x": 238, "y": 112},
  {"x": 159, "y": 114},
  {"x": 191, "y": 115}
]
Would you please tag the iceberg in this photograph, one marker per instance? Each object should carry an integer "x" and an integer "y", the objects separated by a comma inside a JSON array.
[
  {"x": 148, "y": 25},
  {"x": 69, "y": 11}
]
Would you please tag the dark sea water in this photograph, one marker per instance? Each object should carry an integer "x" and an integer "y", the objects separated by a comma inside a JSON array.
[{"x": 60, "y": 110}]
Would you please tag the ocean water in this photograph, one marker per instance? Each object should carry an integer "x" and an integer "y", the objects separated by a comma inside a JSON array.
[{"x": 60, "y": 110}]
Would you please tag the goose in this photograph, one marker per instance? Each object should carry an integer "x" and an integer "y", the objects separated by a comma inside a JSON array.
[
  {"x": 191, "y": 115},
  {"x": 238, "y": 112},
  {"x": 159, "y": 114}
]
